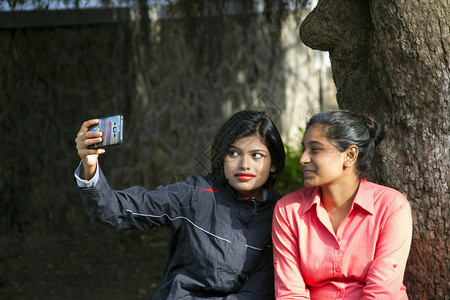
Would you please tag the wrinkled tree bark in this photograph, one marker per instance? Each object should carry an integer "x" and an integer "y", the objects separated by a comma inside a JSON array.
[{"x": 391, "y": 58}]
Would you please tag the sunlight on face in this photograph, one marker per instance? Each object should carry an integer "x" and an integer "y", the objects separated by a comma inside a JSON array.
[
  {"x": 247, "y": 165},
  {"x": 321, "y": 161}
]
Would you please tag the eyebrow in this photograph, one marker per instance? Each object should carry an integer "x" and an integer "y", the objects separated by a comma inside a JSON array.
[
  {"x": 253, "y": 150},
  {"x": 313, "y": 142}
]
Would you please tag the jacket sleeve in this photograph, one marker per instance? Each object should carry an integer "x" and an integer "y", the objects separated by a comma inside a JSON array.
[
  {"x": 385, "y": 275},
  {"x": 136, "y": 207},
  {"x": 289, "y": 281}
]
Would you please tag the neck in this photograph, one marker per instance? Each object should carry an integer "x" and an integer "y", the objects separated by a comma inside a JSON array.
[{"x": 340, "y": 196}]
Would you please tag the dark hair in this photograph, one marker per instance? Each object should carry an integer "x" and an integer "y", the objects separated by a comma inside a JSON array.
[
  {"x": 243, "y": 124},
  {"x": 344, "y": 128}
]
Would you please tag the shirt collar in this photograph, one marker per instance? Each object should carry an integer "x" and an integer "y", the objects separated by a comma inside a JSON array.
[
  {"x": 363, "y": 198},
  {"x": 312, "y": 196}
]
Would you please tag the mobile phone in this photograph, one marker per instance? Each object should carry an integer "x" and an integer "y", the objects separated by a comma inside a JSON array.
[{"x": 112, "y": 129}]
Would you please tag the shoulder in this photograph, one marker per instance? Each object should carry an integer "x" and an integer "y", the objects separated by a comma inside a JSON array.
[
  {"x": 298, "y": 195},
  {"x": 189, "y": 189},
  {"x": 196, "y": 182},
  {"x": 384, "y": 196},
  {"x": 382, "y": 191},
  {"x": 204, "y": 185},
  {"x": 298, "y": 200}
]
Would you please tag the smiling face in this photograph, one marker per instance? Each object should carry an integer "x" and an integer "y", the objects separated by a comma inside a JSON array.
[
  {"x": 322, "y": 163},
  {"x": 247, "y": 166}
]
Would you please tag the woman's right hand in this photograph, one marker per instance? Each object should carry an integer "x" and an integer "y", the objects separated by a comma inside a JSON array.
[{"x": 89, "y": 157}]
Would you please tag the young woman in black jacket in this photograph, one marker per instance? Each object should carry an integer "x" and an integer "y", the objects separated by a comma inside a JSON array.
[{"x": 220, "y": 238}]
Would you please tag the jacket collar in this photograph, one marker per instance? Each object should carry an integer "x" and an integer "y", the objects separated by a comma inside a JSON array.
[{"x": 269, "y": 194}]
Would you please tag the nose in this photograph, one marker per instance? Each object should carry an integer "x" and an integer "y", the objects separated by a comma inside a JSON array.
[
  {"x": 245, "y": 162},
  {"x": 304, "y": 159}
]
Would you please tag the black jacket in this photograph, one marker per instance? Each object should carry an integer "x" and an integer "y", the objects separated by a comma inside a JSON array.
[{"x": 220, "y": 242}]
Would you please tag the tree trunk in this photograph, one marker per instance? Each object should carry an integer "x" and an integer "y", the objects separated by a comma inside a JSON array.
[{"x": 391, "y": 58}]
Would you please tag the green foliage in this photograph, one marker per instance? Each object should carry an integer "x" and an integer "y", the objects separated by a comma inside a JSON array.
[{"x": 292, "y": 177}]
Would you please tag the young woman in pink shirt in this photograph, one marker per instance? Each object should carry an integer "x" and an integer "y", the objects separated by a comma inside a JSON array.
[{"x": 341, "y": 237}]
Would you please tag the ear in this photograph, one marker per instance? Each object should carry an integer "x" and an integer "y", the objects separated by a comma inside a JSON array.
[
  {"x": 273, "y": 168},
  {"x": 351, "y": 154}
]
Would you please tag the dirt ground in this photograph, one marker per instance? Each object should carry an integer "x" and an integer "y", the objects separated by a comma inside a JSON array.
[{"x": 104, "y": 264}]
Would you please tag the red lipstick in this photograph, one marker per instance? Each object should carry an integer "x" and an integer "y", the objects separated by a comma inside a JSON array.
[{"x": 244, "y": 176}]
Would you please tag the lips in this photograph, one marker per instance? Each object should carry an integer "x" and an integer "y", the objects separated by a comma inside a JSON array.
[
  {"x": 245, "y": 176},
  {"x": 306, "y": 171}
]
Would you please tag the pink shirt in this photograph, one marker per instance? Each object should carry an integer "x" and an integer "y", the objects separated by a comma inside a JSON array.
[{"x": 365, "y": 259}]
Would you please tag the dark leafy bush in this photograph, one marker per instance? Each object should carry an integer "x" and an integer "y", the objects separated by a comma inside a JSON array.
[{"x": 292, "y": 177}]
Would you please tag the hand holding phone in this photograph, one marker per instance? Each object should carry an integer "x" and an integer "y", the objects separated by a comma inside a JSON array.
[
  {"x": 103, "y": 132},
  {"x": 111, "y": 129}
]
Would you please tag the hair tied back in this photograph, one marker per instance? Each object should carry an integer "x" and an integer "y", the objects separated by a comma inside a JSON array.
[{"x": 375, "y": 129}]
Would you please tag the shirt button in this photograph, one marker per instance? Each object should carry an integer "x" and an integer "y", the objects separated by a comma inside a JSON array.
[
  {"x": 340, "y": 295},
  {"x": 338, "y": 269}
]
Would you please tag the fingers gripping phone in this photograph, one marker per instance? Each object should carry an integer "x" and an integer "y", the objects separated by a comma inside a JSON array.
[{"x": 112, "y": 129}]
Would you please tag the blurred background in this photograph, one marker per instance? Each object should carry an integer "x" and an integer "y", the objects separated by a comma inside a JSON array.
[{"x": 175, "y": 70}]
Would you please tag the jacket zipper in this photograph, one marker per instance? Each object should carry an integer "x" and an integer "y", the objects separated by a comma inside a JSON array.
[{"x": 255, "y": 206}]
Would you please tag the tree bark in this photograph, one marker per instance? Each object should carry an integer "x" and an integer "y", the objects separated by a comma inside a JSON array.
[{"x": 391, "y": 58}]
